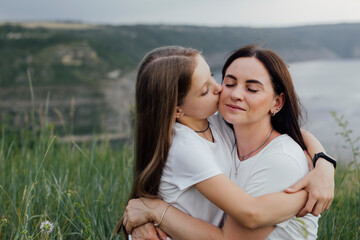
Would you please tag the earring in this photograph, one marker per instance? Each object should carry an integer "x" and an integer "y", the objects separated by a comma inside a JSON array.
[
  {"x": 273, "y": 114},
  {"x": 277, "y": 108}
]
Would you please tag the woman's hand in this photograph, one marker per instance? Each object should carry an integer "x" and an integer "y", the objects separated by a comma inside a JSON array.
[
  {"x": 142, "y": 210},
  {"x": 148, "y": 231},
  {"x": 319, "y": 182}
]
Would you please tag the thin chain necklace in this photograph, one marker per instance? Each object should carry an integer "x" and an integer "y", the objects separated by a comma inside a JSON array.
[
  {"x": 202, "y": 131},
  {"x": 243, "y": 157}
]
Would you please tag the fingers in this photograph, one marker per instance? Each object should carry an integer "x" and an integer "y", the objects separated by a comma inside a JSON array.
[
  {"x": 146, "y": 231},
  {"x": 162, "y": 234},
  {"x": 328, "y": 204},
  {"x": 318, "y": 207},
  {"x": 308, "y": 207},
  {"x": 297, "y": 186},
  {"x": 127, "y": 224}
]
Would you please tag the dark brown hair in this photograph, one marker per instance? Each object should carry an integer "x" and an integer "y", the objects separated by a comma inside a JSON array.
[
  {"x": 163, "y": 80},
  {"x": 288, "y": 119}
]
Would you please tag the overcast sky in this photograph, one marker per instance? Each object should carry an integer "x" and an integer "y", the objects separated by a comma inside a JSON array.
[{"x": 254, "y": 13}]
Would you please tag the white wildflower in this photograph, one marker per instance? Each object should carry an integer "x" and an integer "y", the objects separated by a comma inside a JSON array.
[{"x": 46, "y": 227}]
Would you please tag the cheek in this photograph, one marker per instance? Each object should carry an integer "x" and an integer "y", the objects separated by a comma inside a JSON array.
[
  {"x": 260, "y": 104},
  {"x": 223, "y": 95}
]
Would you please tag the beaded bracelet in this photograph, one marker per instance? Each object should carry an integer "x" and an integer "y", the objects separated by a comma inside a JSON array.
[{"x": 162, "y": 215}]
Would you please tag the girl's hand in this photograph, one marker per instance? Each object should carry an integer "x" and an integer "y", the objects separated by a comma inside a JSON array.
[{"x": 142, "y": 210}]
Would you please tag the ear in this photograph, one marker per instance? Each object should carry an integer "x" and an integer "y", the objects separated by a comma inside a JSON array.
[
  {"x": 279, "y": 103},
  {"x": 179, "y": 113}
]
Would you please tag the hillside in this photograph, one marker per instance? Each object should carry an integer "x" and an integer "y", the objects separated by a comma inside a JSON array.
[{"x": 61, "y": 55}]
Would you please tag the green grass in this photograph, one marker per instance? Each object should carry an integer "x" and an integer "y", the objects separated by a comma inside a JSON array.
[
  {"x": 342, "y": 220},
  {"x": 82, "y": 188}
]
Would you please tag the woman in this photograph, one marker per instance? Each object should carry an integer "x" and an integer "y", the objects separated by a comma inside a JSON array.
[{"x": 210, "y": 173}]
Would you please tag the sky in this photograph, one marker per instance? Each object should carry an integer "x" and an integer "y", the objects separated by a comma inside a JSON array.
[{"x": 251, "y": 13}]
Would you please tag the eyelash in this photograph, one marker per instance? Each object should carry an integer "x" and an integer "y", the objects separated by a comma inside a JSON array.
[
  {"x": 249, "y": 89},
  {"x": 205, "y": 92},
  {"x": 252, "y": 90}
]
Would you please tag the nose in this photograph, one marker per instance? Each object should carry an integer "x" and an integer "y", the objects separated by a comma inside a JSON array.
[
  {"x": 217, "y": 88},
  {"x": 237, "y": 93}
]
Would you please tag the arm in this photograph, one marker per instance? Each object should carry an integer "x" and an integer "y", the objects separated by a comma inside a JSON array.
[
  {"x": 247, "y": 210},
  {"x": 282, "y": 169},
  {"x": 319, "y": 182},
  {"x": 193, "y": 228}
]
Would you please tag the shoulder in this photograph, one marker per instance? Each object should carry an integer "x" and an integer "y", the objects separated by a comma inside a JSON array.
[
  {"x": 219, "y": 124},
  {"x": 218, "y": 121},
  {"x": 276, "y": 167},
  {"x": 186, "y": 140},
  {"x": 283, "y": 158},
  {"x": 189, "y": 150}
]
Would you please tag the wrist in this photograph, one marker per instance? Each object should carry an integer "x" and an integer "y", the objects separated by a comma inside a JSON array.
[
  {"x": 325, "y": 157},
  {"x": 324, "y": 166},
  {"x": 156, "y": 212}
]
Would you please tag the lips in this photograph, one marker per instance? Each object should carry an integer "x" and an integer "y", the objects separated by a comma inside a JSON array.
[{"x": 232, "y": 107}]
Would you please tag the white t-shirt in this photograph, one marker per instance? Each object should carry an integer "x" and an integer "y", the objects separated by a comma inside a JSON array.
[
  {"x": 277, "y": 166},
  {"x": 193, "y": 159}
]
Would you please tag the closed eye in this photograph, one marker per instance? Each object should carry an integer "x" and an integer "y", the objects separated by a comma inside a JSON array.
[
  {"x": 207, "y": 90},
  {"x": 252, "y": 90}
]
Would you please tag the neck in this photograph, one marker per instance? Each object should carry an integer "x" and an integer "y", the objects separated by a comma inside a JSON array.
[
  {"x": 194, "y": 124},
  {"x": 250, "y": 137},
  {"x": 198, "y": 125}
]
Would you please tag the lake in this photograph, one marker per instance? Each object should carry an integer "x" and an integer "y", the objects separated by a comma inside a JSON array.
[{"x": 324, "y": 86}]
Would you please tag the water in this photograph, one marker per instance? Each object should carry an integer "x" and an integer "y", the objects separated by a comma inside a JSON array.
[{"x": 325, "y": 86}]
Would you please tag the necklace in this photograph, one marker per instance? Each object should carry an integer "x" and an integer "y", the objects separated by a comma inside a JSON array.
[
  {"x": 204, "y": 130},
  {"x": 243, "y": 157}
]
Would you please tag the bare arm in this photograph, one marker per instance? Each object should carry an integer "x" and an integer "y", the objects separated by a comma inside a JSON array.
[
  {"x": 249, "y": 211},
  {"x": 319, "y": 182},
  {"x": 192, "y": 228}
]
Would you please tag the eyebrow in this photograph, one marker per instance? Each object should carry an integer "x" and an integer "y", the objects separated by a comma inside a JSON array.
[{"x": 248, "y": 81}]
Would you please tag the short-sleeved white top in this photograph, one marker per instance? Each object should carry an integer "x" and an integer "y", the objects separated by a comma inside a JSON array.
[
  {"x": 193, "y": 159},
  {"x": 277, "y": 166}
]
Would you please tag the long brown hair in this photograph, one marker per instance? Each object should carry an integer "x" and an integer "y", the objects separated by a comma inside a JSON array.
[
  {"x": 163, "y": 80},
  {"x": 288, "y": 119}
]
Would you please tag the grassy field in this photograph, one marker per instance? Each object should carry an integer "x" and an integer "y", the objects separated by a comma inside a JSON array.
[{"x": 82, "y": 188}]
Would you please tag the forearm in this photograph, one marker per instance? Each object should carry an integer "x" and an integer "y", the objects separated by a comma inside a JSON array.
[
  {"x": 181, "y": 226},
  {"x": 276, "y": 207},
  {"x": 313, "y": 145},
  {"x": 272, "y": 209}
]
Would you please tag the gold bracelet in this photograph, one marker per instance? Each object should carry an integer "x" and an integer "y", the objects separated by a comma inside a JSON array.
[{"x": 162, "y": 215}]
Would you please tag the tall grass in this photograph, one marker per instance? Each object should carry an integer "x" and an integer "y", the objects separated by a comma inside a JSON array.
[
  {"x": 342, "y": 220},
  {"x": 80, "y": 188}
]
